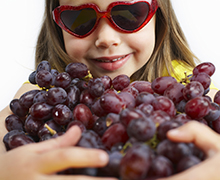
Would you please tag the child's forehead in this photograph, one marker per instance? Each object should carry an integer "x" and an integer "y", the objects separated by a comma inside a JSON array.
[{"x": 100, "y": 3}]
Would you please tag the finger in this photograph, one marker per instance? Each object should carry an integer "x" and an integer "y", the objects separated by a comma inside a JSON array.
[
  {"x": 70, "y": 138},
  {"x": 208, "y": 169},
  {"x": 199, "y": 134},
  {"x": 62, "y": 177},
  {"x": 72, "y": 157}
]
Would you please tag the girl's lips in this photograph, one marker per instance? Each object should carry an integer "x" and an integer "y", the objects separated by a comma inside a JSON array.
[{"x": 111, "y": 63}]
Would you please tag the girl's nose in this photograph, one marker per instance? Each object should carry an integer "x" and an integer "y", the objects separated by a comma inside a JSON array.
[{"x": 106, "y": 35}]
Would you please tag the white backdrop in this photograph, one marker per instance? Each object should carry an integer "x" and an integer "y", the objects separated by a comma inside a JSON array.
[{"x": 21, "y": 20}]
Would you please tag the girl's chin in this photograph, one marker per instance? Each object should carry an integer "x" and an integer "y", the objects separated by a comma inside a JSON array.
[{"x": 112, "y": 75}]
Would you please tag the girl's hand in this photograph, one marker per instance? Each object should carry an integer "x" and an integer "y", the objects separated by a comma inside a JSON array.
[
  {"x": 208, "y": 141},
  {"x": 41, "y": 161}
]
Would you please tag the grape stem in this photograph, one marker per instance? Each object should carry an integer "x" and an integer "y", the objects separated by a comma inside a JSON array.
[
  {"x": 88, "y": 77},
  {"x": 53, "y": 132},
  {"x": 186, "y": 79},
  {"x": 108, "y": 122}
]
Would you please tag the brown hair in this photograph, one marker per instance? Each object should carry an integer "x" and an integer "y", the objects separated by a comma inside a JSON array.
[{"x": 170, "y": 43}]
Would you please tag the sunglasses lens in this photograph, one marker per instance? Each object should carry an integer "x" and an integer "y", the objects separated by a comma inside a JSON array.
[
  {"x": 79, "y": 22},
  {"x": 130, "y": 17}
]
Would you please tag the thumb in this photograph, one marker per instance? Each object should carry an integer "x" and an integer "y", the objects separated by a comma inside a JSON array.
[
  {"x": 70, "y": 138},
  {"x": 199, "y": 134}
]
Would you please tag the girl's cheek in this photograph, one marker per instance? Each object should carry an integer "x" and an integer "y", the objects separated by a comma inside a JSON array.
[{"x": 75, "y": 47}]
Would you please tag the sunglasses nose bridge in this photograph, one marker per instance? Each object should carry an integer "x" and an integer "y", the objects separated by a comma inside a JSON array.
[{"x": 103, "y": 14}]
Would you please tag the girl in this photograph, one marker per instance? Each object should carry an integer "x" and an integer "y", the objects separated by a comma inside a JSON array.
[{"x": 145, "y": 42}]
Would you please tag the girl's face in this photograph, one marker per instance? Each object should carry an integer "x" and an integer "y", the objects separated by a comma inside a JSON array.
[{"x": 108, "y": 51}]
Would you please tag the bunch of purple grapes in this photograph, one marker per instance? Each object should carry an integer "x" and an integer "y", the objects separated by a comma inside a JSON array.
[{"x": 129, "y": 120}]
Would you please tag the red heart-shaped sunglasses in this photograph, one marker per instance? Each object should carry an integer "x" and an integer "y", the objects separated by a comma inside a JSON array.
[{"x": 126, "y": 16}]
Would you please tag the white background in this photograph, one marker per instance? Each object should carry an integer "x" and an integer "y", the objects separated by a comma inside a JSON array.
[{"x": 21, "y": 21}]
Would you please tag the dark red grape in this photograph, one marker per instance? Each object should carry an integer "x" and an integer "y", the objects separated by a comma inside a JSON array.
[
  {"x": 160, "y": 84},
  {"x": 136, "y": 162},
  {"x": 147, "y": 109},
  {"x": 90, "y": 139},
  {"x": 206, "y": 67},
  {"x": 82, "y": 85},
  {"x": 27, "y": 98},
  {"x": 197, "y": 108},
  {"x": 13, "y": 122},
  {"x": 40, "y": 97},
  {"x": 97, "y": 109},
  {"x": 115, "y": 134},
  {"x": 62, "y": 115},
  {"x": 142, "y": 86},
  {"x": 132, "y": 90},
  {"x": 182, "y": 118},
  {"x": 77, "y": 70},
  {"x": 120, "y": 82},
  {"x": 113, "y": 166},
  {"x": 82, "y": 113},
  {"x": 214, "y": 112},
  {"x": 144, "y": 97},
  {"x": 44, "y": 65},
  {"x": 8, "y": 135},
  {"x": 55, "y": 95},
  {"x": 175, "y": 92},
  {"x": 217, "y": 97},
  {"x": 216, "y": 125},
  {"x": 180, "y": 107},
  {"x": 17, "y": 109},
  {"x": 107, "y": 82},
  {"x": 165, "y": 104},
  {"x": 127, "y": 115},
  {"x": 110, "y": 91},
  {"x": 41, "y": 111},
  {"x": 159, "y": 116},
  {"x": 111, "y": 103},
  {"x": 45, "y": 137},
  {"x": 54, "y": 73},
  {"x": 187, "y": 162},
  {"x": 173, "y": 151},
  {"x": 19, "y": 140},
  {"x": 118, "y": 147},
  {"x": 143, "y": 129},
  {"x": 95, "y": 87},
  {"x": 161, "y": 167},
  {"x": 100, "y": 126},
  {"x": 197, "y": 151},
  {"x": 203, "y": 78},
  {"x": 164, "y": 127},
  {"x": 128, "y": 99},
  {"x": 86, "y": 98},
  {"x": 44, "y": 79},
  {"x": 31, "y": 77},
  {"x": 192, "y": 90},
  {"x": 73, "y": 96},
  {"x": 32, "y": 126},
  {"x": 63, "y": 80}
]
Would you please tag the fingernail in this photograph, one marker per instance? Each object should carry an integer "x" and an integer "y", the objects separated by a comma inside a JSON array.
[
  {"x": 174, "y": 132},
  {"x": 103, "y": 157}
]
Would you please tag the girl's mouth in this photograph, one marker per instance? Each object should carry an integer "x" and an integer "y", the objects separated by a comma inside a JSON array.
[
  {"x": 111, "y": 63},
  {"x": 106, "y": 60}
]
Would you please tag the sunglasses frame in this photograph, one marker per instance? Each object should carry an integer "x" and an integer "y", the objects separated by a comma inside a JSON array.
[{"x": 56, "y": 13}]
